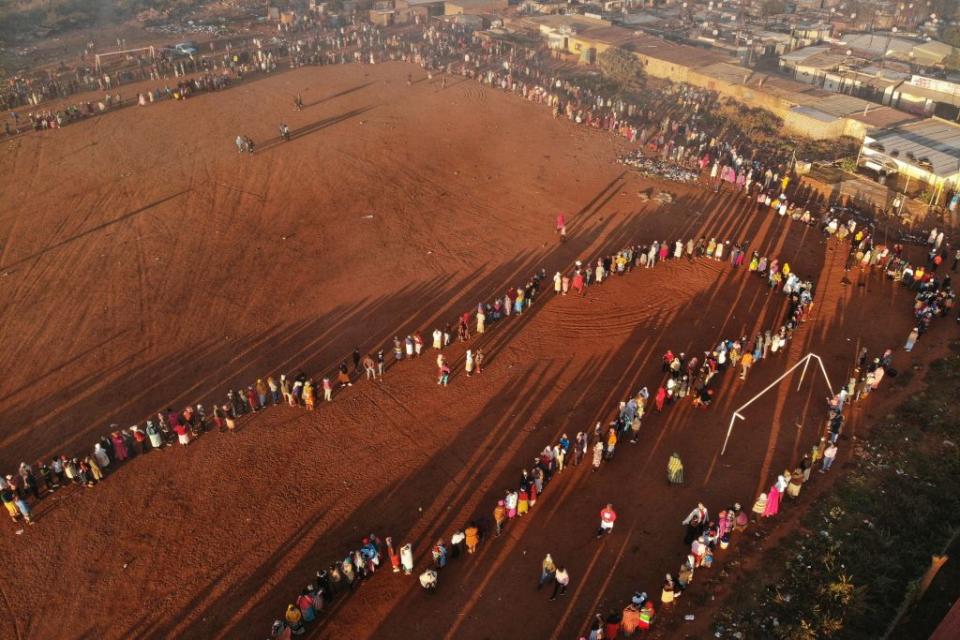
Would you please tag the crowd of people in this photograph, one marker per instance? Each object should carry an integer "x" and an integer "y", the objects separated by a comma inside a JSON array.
[
  {"x": 676, "y": 128},
  {"x": 680, "y": 125},
  {"x": 705, "y": 537},
  {"x": 597, "y": 447}
]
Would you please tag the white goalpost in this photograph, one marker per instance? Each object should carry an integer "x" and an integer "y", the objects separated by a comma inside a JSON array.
[{"x": 805, "y": 361}]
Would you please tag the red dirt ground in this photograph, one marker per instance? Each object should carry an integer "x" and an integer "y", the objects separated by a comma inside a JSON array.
[{"x": 146, "y": 264}]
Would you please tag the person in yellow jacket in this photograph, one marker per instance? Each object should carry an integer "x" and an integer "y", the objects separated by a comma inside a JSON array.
[
  {"x": 746, "y": 361},
  {"x": 294, "y": 619}
]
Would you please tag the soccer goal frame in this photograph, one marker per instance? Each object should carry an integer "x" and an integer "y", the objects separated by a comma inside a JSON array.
[
  {"x": 100, "y": 58},
  {"x": 805, "y": 361}
]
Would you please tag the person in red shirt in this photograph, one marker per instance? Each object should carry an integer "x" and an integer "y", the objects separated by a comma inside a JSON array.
[{"x": 607, "y": 517}]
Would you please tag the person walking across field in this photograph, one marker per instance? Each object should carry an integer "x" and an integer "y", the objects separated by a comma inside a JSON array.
[
  {"x": 548, "y": 571},
  {"x": 560, "y": 581}
]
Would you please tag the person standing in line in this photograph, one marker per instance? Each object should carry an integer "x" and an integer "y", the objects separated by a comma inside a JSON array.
[
  {"x": 511, "y": 499},
  {"x": 468, "y": 363},
  {"x": 560, "y": 581},
  {"x": 417, "y": 343},
  {"x": 381, "y": 363},
  {"x": 327, "y": 390},
  {"x": 911, "y": 339},
  {"x": 829, "y": 455},
  {"x": 500, "y": 515},
  {"x": 472, "y": 533},
  {"x": 597, "y": 454},
  {"x": 746, "y": 360},
  {"x": 406, "y": 558},
  {"x": 579, "y": 448},
  {"x": 369, "y": 367},
  {"x": 611, "y": 443},
  {"x": 23, "y": 507},
  {"x": 607, "y": 517}
]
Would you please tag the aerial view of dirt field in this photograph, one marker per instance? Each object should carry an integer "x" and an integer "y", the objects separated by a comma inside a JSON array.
[{"x": 155, "y": 258}]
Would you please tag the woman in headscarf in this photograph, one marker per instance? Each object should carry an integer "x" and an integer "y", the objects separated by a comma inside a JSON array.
[
  {"x": 578, "y": 282},
  {"x": 119, "y": 446},
  {"x": 305, "y": 603},
  {"x": 472, "y": 533},
  {"x": 660, "y": 398},
  {"x": 773, "y": 500},
  {"x": 309, "y": 395},
  {"x": 468, "y": 362},
  {"x": 510, "y": 502},
  {"x": 103, "y": 460},
  {"x": 95, "y": 471},
  {"x": 183, "y": 434},
  {"x": 294, "y": 619}
]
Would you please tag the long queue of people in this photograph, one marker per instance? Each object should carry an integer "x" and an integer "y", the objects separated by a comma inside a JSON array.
[
  {"x": 705, "y": 537},
  {"x": 520, "y": 499},
  {"x": 19, "y": 493},
  {"x": 41, "y": 120}
]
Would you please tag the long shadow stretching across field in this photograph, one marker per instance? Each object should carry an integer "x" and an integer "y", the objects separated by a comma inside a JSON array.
[
  {"x": 375, "y": 515},
  {"x": 95, "y": 229},
  {"x": 311, "y": 128},
  {"x": 317, "y": 345}
]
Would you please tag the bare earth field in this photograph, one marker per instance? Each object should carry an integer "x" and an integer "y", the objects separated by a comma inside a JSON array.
[{"x": 146, "y": 264}]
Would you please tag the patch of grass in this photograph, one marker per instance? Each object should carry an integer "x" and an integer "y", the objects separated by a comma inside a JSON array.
[{"x": 870, "y": 541}]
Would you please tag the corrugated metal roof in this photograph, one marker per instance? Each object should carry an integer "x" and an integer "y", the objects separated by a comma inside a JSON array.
[
  {"x": 814, "y": 113},
  {"x": 840, "y": 104},
  {"x": 799, "y": 55},
  {"x": 876, "y": 43},
  {"x": 935, "y": 140}
]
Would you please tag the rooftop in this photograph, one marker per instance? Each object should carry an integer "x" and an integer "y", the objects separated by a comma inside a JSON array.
[
  {"x": 908, "y": 89},
  {"x": 800, "y": 55},
  {"x": 883, "y": 117},
  {"x": 877, "y": 44},
  {"x": 934, "y": 140},
  {"x": 814, "y": 113},
  {"x": 838, "y": 104}
]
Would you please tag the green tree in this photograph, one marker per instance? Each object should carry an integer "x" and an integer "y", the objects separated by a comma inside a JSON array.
[{"x": 622, "y": 67}]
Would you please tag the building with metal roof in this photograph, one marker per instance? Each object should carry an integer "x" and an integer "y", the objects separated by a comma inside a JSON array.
[{"x": 927, "y": 150}]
